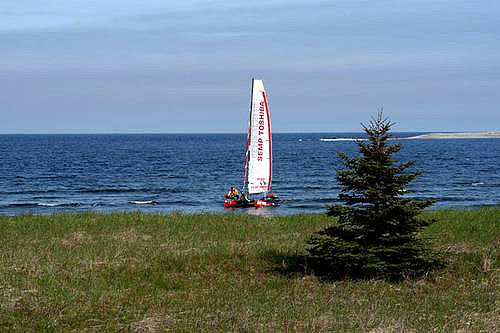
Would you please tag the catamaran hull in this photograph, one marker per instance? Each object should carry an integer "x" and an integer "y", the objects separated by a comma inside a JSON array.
[
  {"x": 265, "y": 203},
  {"x": 229, "y": 203}
]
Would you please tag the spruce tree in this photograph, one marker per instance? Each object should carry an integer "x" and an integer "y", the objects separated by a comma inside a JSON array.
[{"x": 377, "y": 232}]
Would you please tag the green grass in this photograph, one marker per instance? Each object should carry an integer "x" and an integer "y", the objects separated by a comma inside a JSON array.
[{"x": 206, "y": 272}]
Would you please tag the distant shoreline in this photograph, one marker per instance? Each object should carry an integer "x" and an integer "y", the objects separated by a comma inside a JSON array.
[
  {"x": 462, "y": 135},
  {"x": 430, "y": 136}
]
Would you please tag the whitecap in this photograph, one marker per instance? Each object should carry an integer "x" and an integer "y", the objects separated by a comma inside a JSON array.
[
  {"x": 143, "y": 202},
  {"x": 47, "y": 204},
  {"x": 340, "y": 139},
  {"x": 58, "y": 204}
]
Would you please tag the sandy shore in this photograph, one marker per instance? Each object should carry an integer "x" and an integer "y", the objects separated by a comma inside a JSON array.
[{"x": 462, "y": 135}]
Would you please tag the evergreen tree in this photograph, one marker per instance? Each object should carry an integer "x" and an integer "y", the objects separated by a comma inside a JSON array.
[{"x": 377, "y": 233}]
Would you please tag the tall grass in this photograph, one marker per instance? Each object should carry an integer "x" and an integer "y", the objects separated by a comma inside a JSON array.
[{"x": 145, "y": 272}]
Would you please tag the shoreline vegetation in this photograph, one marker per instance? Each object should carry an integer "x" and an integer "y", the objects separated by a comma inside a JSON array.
[{"x": 190, "y": 272}]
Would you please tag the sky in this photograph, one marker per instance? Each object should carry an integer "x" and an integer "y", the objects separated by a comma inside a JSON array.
[{"x": 159, "y": 66}]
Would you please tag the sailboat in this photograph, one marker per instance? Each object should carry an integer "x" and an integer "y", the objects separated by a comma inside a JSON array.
[{"x": 258, "y": 170}]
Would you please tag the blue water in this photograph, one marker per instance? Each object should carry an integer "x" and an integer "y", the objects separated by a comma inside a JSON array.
[{"x": 51, "y": 173}]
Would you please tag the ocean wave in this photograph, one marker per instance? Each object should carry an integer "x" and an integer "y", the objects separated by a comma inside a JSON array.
[
  {"x": 42, "y": 204},
  {"x": 310, "y": 201},
  {"x": 306, "y": 206},
  {"x": 470, "y": 183},
  {"x": 444, "y": 198},
  {"x": 144, "y": 202},
  {"x": 28, "y": 192},
  {"x": 301, "y": 188},
  {"x": 170, "y": 176},
  {"x": 340, "y": 139},
  {"x": 365, "y": 139},
  {"x": 103, "y": 204},
  {"x": 46, "y": 197},
  {"x": 109, "y": 190},
  {"x": 49, "y": 177},
  {"x": 181, "y": 202},
  {"x": 47, "y": 204}
]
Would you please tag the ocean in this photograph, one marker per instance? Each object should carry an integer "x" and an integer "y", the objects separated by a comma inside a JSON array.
[{"x": 42, "y": 174}]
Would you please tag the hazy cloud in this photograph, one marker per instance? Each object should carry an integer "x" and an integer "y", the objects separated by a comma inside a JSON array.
[{"x": 89, "y": 66}]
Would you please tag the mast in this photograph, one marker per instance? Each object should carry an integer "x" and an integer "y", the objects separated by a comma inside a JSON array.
[{"x": 247, "y": 154}]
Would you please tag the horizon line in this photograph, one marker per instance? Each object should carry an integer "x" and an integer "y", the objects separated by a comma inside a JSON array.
[{"x": 223, "y": 133}]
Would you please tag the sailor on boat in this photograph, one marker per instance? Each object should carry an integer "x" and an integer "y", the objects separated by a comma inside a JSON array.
[{"x": 233, "y": 193}]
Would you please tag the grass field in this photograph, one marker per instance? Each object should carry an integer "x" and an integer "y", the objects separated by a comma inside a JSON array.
[{"x": 140, "y": 272}]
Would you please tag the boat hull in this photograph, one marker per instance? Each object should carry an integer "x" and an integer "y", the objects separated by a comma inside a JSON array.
[{"x": 269, "y": 201}]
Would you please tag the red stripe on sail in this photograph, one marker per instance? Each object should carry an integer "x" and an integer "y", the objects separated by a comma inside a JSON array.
[{"x": 270, "y": 142}]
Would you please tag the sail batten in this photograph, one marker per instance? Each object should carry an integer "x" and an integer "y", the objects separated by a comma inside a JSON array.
[{"x": 258, "y": 164}]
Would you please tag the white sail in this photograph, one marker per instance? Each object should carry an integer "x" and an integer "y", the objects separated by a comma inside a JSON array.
[{"x": 259, "y": 152}]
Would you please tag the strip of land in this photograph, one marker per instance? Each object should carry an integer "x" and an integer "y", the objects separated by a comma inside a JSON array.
[
  {"x": 223, "y": 272},
  {"x": 463, "y": 135}
]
